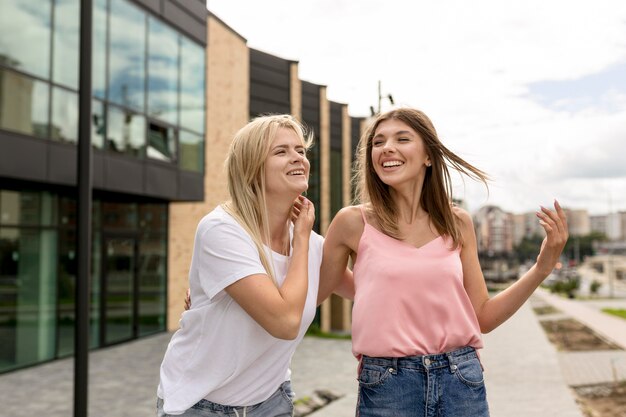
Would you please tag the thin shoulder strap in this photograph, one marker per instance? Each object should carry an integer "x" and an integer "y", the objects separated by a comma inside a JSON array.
[{"x": 362, "y": 208}]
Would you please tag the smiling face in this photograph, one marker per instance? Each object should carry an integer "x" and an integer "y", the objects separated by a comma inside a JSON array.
[
  {"x": 398, "y": 153},
  {"x": 286, "y": 165}
]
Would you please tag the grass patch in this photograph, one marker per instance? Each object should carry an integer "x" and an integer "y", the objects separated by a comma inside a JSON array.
[
  {"x": 315, "y": 331},
  {"x": 619, "y": 312},
  {"x": 546, "y": 310}
]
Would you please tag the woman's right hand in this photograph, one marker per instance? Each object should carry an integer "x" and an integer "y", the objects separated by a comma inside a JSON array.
[{"x": 303, "y": 217}]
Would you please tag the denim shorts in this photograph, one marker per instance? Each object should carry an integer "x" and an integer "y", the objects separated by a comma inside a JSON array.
[
  {"x": 442, "y": 385},
  {"x": 278, "y": 404}
]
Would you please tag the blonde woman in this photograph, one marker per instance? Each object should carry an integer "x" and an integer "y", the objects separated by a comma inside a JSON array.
[
  {"x": 420, "y": 299},
  {"x": 253, "y": 279}
]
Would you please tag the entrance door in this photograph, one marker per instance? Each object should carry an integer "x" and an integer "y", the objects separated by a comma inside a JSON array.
[{"x": 119, "y": 281}]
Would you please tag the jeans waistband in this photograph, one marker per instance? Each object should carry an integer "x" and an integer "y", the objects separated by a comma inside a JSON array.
[{"x": 438, "y": 360}]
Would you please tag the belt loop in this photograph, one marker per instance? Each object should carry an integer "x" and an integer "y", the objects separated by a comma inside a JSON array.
[
  {"x": 451, "y": 363},
  {"x": 394, "y": 363}
]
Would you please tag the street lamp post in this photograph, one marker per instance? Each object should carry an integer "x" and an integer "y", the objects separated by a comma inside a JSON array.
[{"x": 380, "y": 100}]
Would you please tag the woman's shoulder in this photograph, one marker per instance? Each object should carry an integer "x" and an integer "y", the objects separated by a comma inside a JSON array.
[{"x": 350, "y": 216}]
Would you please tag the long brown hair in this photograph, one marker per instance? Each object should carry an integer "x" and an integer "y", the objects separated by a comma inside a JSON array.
[{"x": 436, "y": 198}]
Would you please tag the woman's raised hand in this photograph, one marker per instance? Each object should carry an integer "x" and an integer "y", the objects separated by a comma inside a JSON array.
[
  {"x": 303, "y": 216},
  {"x": 555, "y": 225}
]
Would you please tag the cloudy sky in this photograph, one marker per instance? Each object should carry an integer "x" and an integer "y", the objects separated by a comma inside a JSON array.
[{"x": 532, "y": 92}]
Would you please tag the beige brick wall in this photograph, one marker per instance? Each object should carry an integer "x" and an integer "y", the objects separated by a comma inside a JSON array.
[
  {"x": 325, "y": 313},
  {"x": 295, "y": 91},
  {"x": 227, "y": 111}
]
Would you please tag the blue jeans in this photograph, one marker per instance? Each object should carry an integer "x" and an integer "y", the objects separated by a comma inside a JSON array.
[
  {"x": 279, "y": 404},
  {"x": 442, "y": 385}
]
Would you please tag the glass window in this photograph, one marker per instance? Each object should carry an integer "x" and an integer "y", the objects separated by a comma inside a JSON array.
[
  {"x": 99, "y": 48},
  {"x": 192, "y": 72},
  {"x": 127, "y": 55},
  {"x": 126, "y": 131},
  {"x": 25, "y": 35},
  {"x": 162, "y": 72},
  {"x": 64, "y": 126},
  {"x": 161, "y": 142},
  {"x": 153, "y": 217},
  {"x": 26, "y": 208},
  {"x": 152, "y": 270},
  {"x": 119, "y": 276},
  {"x": 66, "y": 42},
  {"x": 23, "y": 104},
  {"x": 66, "y": 287},
  {"x": 28, "y": 295},
  {"x": 98, "y": 124},
  {"x": 119, "y": 216},
  {"x": 191, "y": 151}
]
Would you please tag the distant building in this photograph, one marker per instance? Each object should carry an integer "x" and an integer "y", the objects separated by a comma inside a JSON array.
[
  {"x": 578, "y": 222},
  {"x": 616, "y": 226},
  {"x": 598, "y": 223},
  {"x": 494, "y": 231}
]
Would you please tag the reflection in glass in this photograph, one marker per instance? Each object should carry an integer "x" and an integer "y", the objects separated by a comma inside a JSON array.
[
  {"x": 126, "y": 131},
  {"x": 66, "y": 288},
  {"x": 98, "y": 124},
  {"x": 153, "y": 217},
  {"x": 98, "y": 45},
  {"x": 24, "y": 208},
  {"x": 127, "y": 47},
  {"x": 162, "y": 72},
  {"x": 27, "y": 284},
  {"x": 119, "y": 216},
  {"x": 152, "y": 279},
  {"x": 23, "y": 104},
  {"x": 191, "y": 151},
  {"x": 64, "y": 126},
  {"x": 25, "y": 35},
  {"x": 192, "y": 86},
  {"x": 119, "y": 275},
  {"x": 161, "y": 143},
  {"x": 66, "y": 42}
]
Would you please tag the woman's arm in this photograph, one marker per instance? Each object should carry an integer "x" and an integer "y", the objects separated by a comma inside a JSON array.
[
  {"x": 493, "y": 312},
  {"x": 343, "y": 232},
  {"x": 279, "y": 310}
]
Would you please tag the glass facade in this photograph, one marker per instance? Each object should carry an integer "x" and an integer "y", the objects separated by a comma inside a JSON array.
[
  {"x": 38, "y": 274},
  {"x": 148, "y": 79}
]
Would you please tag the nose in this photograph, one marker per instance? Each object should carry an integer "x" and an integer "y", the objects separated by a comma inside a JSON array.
[
  {"x": 297, "y": 157},
  {"x": 387, "y": 146}
]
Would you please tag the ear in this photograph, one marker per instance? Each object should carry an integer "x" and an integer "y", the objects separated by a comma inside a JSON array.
[{"x": 428, "y": 163}]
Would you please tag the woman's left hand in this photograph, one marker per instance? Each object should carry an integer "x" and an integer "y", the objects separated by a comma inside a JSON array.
[{"x": 555, "y": 225}]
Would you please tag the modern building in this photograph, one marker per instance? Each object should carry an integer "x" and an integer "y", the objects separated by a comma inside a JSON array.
[
  {"x": 148, "y": 141},
  {"x": 171, "y": 84}
]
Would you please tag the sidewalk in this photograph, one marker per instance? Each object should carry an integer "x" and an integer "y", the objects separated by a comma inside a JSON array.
[
  {"x": 591, "y": 367},
  {"x": 521, "y": 370}
]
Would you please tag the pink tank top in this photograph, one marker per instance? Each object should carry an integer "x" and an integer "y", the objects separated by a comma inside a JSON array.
[{"x": 410, "y": 301}]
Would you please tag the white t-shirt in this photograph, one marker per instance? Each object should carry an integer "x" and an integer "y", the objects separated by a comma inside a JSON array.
[{"x": 220, "y": 353}]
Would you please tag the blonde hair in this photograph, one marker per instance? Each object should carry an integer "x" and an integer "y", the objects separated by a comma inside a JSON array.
[
  {"x": 245, "y": 166},
  {"x": 436, "y": 197}
]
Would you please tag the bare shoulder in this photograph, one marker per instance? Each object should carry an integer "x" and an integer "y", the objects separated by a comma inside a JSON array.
[
  {"x": 465, "y": 219},
  {"x": 347, "y": 226},
  {"x": 348, "y": 219}
]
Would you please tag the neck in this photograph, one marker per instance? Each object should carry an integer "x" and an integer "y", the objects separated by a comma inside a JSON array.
[
  {"x": 278, "y": 217},
  {"x": 407, "y": 199}
]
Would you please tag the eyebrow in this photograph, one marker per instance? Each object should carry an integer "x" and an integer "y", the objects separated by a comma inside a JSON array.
[
  {"x": 398, "y": 133},
  {"x": 286, "y": 146}
]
